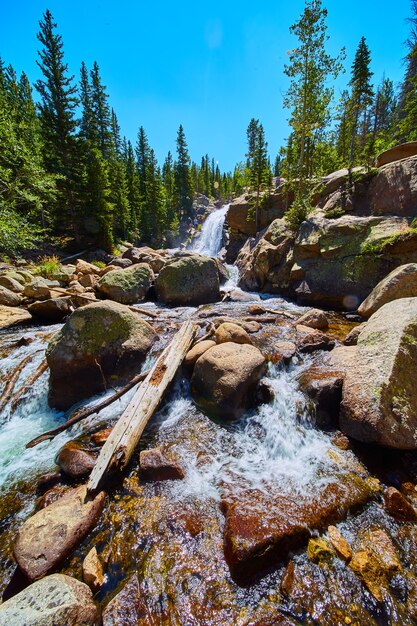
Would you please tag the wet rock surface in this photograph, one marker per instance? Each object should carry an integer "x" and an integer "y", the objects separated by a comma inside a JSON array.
[
  {"x": 127, "y": 286},
  {"x": 57, "y": 600}
]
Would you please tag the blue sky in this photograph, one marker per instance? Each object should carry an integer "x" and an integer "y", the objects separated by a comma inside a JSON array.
[{"x": 210, "y": 66}]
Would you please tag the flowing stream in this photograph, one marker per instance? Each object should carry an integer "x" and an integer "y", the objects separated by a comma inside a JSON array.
[{"x": 275, "y": 448}]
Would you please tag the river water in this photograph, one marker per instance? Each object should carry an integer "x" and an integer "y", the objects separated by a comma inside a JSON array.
[{"x": 274, "y": 449}]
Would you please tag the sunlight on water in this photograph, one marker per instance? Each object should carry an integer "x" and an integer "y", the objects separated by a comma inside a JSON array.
[{"x": 209, "y": 242}]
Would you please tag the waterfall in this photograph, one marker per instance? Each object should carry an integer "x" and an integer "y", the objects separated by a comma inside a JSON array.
[{"x": 209, "y": 241}]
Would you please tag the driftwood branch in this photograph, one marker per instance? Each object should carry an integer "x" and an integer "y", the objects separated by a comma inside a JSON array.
[
  {"x": 29, "y": 383},
  {"x": 11, "y": 383},
  {"x": 124, "y": 437},
  {"x": 82, "y": 414}
]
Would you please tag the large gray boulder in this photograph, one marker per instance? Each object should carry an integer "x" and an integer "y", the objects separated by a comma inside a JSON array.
[
  {"x": 57, "y": 600},
  {"x": 129, "y": 285},
  {"x": 99, "y": 346},
  {"x": 189, "y": 280},
  {"x": 400, "y": 283},
  {"x": 225, "y": 378},
  {"x": 379, "y": 392}
]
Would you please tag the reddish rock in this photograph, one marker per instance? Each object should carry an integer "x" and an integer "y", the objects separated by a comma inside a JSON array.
[
  {"x": 324, "y": 388},
  {"x": 47, "y": 481},
  {"x": 339, "y": 543},
  {"x": 93, "y": 571},
  {"x": 156, "y": 464},
  {"x": 314, "y": 319},
  {"x": 352, "y": 338},
  {"x": 310, "y": 339},
  {"x": 260, "y": 530},
  {"x": 74, "y": 461},
  {"x": 198, "y": 350},
  {"x": 49, "y": 536},
  {"x": 52, "y": 495},
  {"x": 231, "y": 332},
  {"x": 398, "y": 506},
  {"x": 402, "y": 151},
  {"x": 126, "y": 608},
  {"x": 285, "y": 350},
  {"x": 99, "y": 438}
]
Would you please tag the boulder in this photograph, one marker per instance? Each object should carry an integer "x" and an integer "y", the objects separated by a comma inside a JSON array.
[
  {"x": 49, "y": 536},
  {"x": 158, "y": 464},
  {"x": 189, "y": 280},
  {"x": 146, "y": 255},
  {"x": 75, "y": 461},
  {"x": 127, "y": 286},
  {"x": 100, "y": 340},
  {"x": 402, "y": 151},
  {"x": 83, "y": 267},
  {"x": 57, "y": 600},
  {"x": 121, "y": 262},
  {"x": 38, "y": 289},
  {"x": 379, "y": 394},
  {"x": 225, "y": 378},
  {"x": 88, "y": 280},
  {"x": 310, "y": 339},
  {"x": 51, "y": 311},
  {"x": 314, "y": 319},
  {"x": 340, "y": 261},
  {"x": 231, "y": 332},
  {"x": 400, "y": 283},
  {"x": 9, "y": 298},
  {"x": 196, "y": 351},
  {"x": 93, "y": 575},
  {"x": 284, "y": 351},
  {"x": 11, "y": 283},
  {"x": 12, "y": 316},
  {"x": 324, "y": 388}
]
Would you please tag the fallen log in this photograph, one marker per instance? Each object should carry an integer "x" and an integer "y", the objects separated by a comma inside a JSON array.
[
  {"x": 127, "y": 432},
  {"x": 11, "y": 383},
  {"x": 82, "y": 414},
  {"x": 29, "y": 383}
]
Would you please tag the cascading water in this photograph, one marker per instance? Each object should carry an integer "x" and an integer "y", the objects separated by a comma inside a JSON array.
[{"x": 209, "y": 242}]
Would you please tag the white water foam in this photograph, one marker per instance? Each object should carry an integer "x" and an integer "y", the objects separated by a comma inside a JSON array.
[{"x": 209, "y": 241}]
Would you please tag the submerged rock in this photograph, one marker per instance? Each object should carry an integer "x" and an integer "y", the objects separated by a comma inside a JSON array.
[
  {"x": 189, "y": 280},
  {"x": 93, "y": 571},
  {"x": 74, "y": 461},
  {"x": 398, "y": 506},
  {"x": 127, "y": 286},
  {"x": 400, "y": 283},
  {"x": 46, "y": 538},
  {"x": 99, "y": 344},
  {"x": 158, "y": 464},
  {"x": 126, "y": 607},
  {"x": 225, "y": 378},
  {"x": 379, "y": 394},
  {"x": 57, "y": 600}
]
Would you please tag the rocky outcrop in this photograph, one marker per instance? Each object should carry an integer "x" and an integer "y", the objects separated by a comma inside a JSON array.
[
  {"x": 400, "y": 283},
  {"x": 189, "y": 280},
  {"x": 403, "y": 151},
  {"x": 99, "y": 344},
  {"x": 379, "y": 394},
  {"x": 57, "y": 600},
  {"x": 265, "y": 264},
  {"x": 225, "y": 378},
  {"x": 127, "y": 286},
  {"x": 49, "y": 536}
]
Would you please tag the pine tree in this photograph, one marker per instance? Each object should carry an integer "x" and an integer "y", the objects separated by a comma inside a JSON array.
[
  {"x": 259, "y": 169},
  {"x": 101, "y": 112},
  {"x": 277, "y": 165},
  {"x": 407, "y": 106},
  {"x": 154, "y": 207},
  {"x": 168, "y": 180},
  {"x": 133, "y": 190},
  {"x": 88, "y": 123},
  {"x": 115, "y": 133},
  {"x": 58, "y": 125},
  {"x": 100, "y": 206},
  {"x": 182, "y": 178},
  {"x": 360, "y": 101},
  {"x": 311, "y": 70},
  {"x": 251, "y": 134}
]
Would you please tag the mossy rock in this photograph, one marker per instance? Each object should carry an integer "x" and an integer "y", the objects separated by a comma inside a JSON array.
[
  {"x": 99, "y": 346},
  {"x": 189, "y": 280},
  {"x": 129, "y": 285}
]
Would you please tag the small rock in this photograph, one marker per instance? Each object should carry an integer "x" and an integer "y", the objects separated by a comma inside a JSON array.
[
  {"x": 52, "y": 495},
  {"x": 82, "y": 267},
  {"x": 38, "y": 289},
  {"x": 256, "y": 309},
  {"x": 93, "y": 571},
  {"x": 287, "y": 580},
  {"x": 52, "y": 310},
  {"x": 101, "y": 436},
  {"x": 74, "y": 461},
  {"x": 319, "y": 551},
  {"x": 156, "y": 464},
  {"x": 339, "y": 543},
  {"x": 49, "y": 536},
  {"x": 196, "y": 351},
  {"x": 88, "y": 280},
  {"x": 24, "y": 341},
  {"x": 314, "y": 319},
  {"x": 285, "y": 350},
  {"x": 9, "y": 298},
  {"x": 47, "y": 481},
  {"x": 120, "y": 262},
  {"x": 398, "y": 506},
  {"x": 11, "y": 284},
  {"x": 341, "y": 442},
  {"x": 57, "y": 600},
  {"x": 366, "y": 567},
  {"x": 310, "y": 339},
  {"x": 231, "y": 332}
]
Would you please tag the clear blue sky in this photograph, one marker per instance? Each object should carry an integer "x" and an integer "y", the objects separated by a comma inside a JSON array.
[{"x": 210, "y": 66}]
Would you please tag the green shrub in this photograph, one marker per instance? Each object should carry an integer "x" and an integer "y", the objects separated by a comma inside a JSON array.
[
  {"x": 48, "y": 266},
  {"x": 17, "y": 233},
  {"x": 99, "y": 264},
  {"x": 298, "y": 212}
]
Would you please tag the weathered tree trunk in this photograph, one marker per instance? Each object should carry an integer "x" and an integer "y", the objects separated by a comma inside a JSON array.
[{"x": 126, "y": 434}]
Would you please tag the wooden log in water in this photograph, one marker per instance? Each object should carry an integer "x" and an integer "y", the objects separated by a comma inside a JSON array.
[
  {"x": 84, "y": 413},
  {"x": 11, "y": 383},
  {"x": 126, "y": 434},
  {"x": 29, "y": 383}
]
